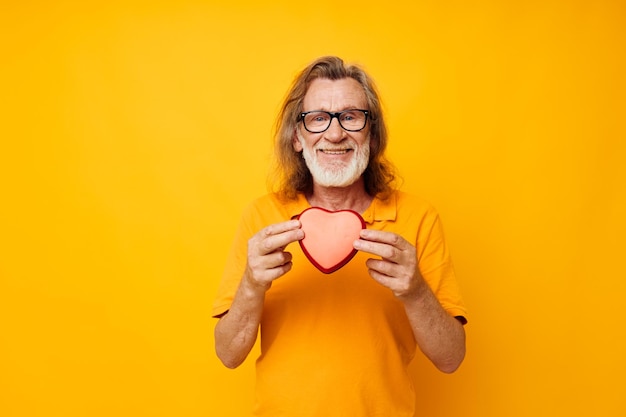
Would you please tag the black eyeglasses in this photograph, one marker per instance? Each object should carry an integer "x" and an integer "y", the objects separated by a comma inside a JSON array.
[{"x": 318, "y": 121}]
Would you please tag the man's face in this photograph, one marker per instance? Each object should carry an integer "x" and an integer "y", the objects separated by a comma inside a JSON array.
[{"x": 335, "y": 157}]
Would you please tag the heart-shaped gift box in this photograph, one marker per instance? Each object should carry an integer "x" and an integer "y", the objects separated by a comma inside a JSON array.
[{"x": 328, "y": 236}]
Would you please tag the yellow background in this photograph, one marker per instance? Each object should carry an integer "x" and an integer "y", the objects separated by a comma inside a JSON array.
[{"x": 133, "y": 133}]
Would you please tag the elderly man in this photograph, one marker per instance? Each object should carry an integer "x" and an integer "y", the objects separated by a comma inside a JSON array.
[{"x": 338, "y": 344}]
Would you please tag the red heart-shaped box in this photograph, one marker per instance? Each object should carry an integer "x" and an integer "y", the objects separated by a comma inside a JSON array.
[{"x": 328, "y": 236}]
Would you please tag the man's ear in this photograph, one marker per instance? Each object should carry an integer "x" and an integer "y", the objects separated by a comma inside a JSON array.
[{"x": 297, "y": 146}]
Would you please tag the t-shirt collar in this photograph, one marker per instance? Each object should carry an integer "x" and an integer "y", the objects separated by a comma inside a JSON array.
[{"x": 379, "y": 210}]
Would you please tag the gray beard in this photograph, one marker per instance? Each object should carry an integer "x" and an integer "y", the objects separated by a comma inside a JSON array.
[{"x": 338, "y": 174}]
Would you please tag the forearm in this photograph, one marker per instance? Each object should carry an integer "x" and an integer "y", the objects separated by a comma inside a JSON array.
[
  {"x": 440, "y": 336},
  {"x": 236, "y": 331}
]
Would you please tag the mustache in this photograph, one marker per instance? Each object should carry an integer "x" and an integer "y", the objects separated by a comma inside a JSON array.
[{"x": 349, "y": 145}]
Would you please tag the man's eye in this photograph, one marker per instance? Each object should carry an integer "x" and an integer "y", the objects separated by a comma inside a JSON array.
[{"x": 348, "y": 117}]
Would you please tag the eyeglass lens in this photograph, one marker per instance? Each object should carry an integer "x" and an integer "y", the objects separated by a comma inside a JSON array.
[{"x": 319, "y": 121}]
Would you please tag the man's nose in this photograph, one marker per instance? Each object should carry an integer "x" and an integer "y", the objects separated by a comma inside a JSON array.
[{"x": 335, "y": 132}]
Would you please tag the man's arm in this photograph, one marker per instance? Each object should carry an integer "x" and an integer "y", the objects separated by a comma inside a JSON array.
[
  {"x": 440, "y": 336},
  {"x": 237, "y": 329}
]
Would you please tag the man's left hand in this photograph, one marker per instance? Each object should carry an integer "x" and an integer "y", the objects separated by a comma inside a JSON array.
[{"x": 397, "y": 269}]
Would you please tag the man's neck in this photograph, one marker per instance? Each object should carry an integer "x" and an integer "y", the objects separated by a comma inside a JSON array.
[{"x": 353, "y": 197}]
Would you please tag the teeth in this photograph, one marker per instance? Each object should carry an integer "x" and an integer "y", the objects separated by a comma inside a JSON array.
[{"x": 337, "y": 152}]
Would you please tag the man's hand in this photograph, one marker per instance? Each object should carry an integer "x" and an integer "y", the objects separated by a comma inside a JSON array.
[
  {"x": 440, "y": 336},
  {"x": 397, "y": 269},
  {"x": 237, "y": 330},
  {"x": 267, "y": 259}
]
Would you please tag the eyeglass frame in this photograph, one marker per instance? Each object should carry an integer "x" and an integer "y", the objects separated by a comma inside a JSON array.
[{"x": 334, "y": 115}]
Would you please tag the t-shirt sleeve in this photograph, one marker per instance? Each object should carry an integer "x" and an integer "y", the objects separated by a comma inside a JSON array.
[
  {"x": 436, "y": 266},
  {"x": 234, "y": 267}
]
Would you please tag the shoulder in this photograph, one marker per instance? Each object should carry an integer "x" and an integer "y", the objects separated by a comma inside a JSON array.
[
  {"x": 402, "y": 211},
  {"x": 412, "y": 203},
  {"x": 271, "y": 208},
  {"x": 260, "y": 204}
]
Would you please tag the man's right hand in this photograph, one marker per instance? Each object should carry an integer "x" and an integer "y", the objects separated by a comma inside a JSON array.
[
  {"x": 267, "y": 258},
  {"x": 236, "y": 332}
]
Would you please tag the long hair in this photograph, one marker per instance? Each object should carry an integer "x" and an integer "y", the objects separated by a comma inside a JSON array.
[{"x": 291, "y": 171}]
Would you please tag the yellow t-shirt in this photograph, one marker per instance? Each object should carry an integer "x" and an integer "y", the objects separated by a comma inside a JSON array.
[{"x": 339, "y": 344}]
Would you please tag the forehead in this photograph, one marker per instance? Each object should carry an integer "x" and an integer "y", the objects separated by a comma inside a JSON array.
[{"x": 334, "y": 95}]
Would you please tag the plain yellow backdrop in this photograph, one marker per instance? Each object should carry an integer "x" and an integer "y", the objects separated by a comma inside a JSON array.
[{"x": 133, "y": 133}]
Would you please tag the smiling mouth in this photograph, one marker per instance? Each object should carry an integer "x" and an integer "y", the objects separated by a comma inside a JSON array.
[{"x": 334, "y": 151}]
